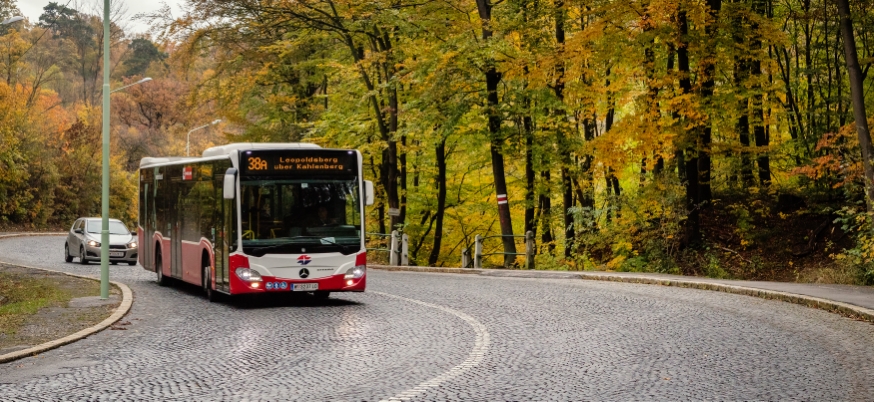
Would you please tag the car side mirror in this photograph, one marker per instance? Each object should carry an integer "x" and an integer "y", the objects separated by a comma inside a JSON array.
[
  {"x": 79, "y": 231},
  {"x": 229, "y": 186},
  {"x": 368, "y": 192}
]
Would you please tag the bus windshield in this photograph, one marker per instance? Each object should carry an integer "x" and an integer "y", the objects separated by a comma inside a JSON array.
[{"x": 295, "y": 216}]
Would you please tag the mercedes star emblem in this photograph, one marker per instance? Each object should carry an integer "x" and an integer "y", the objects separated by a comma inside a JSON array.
[{"x": 304, "y": 273}]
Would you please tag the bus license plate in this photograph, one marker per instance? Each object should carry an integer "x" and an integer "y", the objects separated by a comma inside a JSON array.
[
  {"x": 305, "y": 287},
  {"x": 116, "y": 254}
]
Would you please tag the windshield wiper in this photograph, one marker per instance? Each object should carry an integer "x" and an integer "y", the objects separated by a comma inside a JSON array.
[
  {"x": 324, "y": 239},
  {"x": 270, "y": 247},
  {"x": 274, "y": 246}
]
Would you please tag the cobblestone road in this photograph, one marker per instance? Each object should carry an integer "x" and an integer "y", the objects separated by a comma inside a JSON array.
[{"x": 449, "y": 337}]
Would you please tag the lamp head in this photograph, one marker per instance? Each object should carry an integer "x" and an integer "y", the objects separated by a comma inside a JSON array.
[{"x": 11, "y": 20}]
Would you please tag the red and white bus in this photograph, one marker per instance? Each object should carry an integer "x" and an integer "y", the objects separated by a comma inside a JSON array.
[{"x": 256, "y": 218}]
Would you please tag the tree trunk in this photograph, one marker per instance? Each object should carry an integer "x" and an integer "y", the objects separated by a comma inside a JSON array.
[
  {"x": 742, "y": 126},
  {"x": 386, "y": 130},
  {"x": 808, "y": 70},
  {"x": 391, "y": 184},
  {"x": 692, "y": 229},
  {"x": 587, "y": 189},
  {"x": 567, "y": 202},
  {"x": 708, "y": 84},
  {"x": 679, "y": 162},
  {"x": 441, "y": 201},
  {"x": 546, "y": 212},
  {"x": 653, "y": 115},
  {"x": 612, "y": 182},
  {"x": 493, "y": 78},
  {"x": 402, "y": 158},
  {"x": 858, "y": 96},
  {"x": 530, "y": 223},
  {"x": 561, "y": 138},
  {"x": 762, "y": 141},
  {"x": 641, "y": 182}
]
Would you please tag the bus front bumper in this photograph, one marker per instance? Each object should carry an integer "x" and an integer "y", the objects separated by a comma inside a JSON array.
[{"x": 272, "y": 284}]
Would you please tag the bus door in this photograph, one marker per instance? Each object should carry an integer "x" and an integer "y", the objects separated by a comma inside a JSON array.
[
  {"x": 221, "y": 248},
  {"x": 152, "y": 220},
  {"x": 176, "y": 240},
  {"x": 146, "y": 223},
  {"x": 223, "y": 227}
]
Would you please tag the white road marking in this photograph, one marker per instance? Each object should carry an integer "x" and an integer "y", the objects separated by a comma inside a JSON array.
[{"x": 474, "y": 358}]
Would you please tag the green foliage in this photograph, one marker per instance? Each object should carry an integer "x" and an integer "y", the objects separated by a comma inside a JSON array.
[
  {"x": 549, "y": 262},
  {"x": 712, "y": 267},
  {"x": 744, "y": 223},
  {"x": 600, "y": 113},
  {"x": 860, "y": 258},
  {"x": 636, "y": 233},
  {"x": 8, "y": 8},
  {"x": 143, "y": 53}
]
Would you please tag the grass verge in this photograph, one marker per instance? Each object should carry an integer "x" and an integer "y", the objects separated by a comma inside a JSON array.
[{"x": 23, "y": 294}]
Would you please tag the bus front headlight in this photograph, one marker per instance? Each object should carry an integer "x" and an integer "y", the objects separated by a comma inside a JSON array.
[
  {"x": 355, "y": 272},
  {"x": 248, "y": 275}
]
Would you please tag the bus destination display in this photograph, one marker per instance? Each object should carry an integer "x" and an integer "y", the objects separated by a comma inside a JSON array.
[{"x": 305, "y": 162}]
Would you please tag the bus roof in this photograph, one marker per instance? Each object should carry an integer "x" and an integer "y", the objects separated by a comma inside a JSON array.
[
  {"x": 225, "y": 150},
  {"x": 148, "y": 161}
]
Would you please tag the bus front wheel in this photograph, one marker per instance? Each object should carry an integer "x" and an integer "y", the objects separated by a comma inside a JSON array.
[
  {"x": 159, "y": 271},
  {"x": 211, "y": 295}
]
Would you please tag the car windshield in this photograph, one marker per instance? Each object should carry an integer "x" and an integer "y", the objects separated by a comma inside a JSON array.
[
  {"x": 299, "y": 216},
  {"x": 115, "y": 227}
]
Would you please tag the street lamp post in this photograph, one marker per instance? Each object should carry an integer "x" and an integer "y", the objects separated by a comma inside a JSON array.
[
  {"x": 104, "y": 232},
  {"x": 188, "y": 137},
  {"x": 104, "y": 214}
]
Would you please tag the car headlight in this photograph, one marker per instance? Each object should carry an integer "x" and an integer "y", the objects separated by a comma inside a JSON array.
[
  {"x": 248, "y": 275},
  {"x": 93, "y": 243},
  {"x": 355, "y": 272},
  {"x": 132, "y": 244}
]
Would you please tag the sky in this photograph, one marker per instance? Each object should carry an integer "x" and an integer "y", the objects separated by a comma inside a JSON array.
[{"x": 32, "y": 9}]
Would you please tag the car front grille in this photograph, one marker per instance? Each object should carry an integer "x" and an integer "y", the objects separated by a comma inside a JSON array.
[{"x": 118, "y": 246}]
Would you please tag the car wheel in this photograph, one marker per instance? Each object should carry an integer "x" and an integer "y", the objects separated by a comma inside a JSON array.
[
  {"x": 82, "y": 259},
  {"x": 211, "y": 295},
  {"x": 67, "y": 256},
  {"x": 162, "y": 280},
  {"x": 131, "y": 263},
  {"x": 321, "y": 295}
]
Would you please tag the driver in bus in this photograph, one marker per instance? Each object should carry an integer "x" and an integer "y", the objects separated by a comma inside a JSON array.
[{"x": 323, "y": 219}]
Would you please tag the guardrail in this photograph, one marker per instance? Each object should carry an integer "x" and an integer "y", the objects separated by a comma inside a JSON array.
[
  {"x": 478, "y": 251},
  {"x": 398, "y": 247}
]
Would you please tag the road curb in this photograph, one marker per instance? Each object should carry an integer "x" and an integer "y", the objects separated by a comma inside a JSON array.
[
  {"x": 123, "y": 308},
  {"x": 844, "y": 309}
]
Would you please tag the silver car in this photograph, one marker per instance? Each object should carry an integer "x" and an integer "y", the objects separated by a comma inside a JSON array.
[{"x": 83, "y": 242}]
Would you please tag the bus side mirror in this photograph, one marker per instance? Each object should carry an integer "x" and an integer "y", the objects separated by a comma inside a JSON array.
[
  {"x": 230, "y": 182},
  {"x": 368, "y": 192}
]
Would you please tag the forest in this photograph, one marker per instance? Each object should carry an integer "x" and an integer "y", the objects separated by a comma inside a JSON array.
[{"x": 699, "y": 137}]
